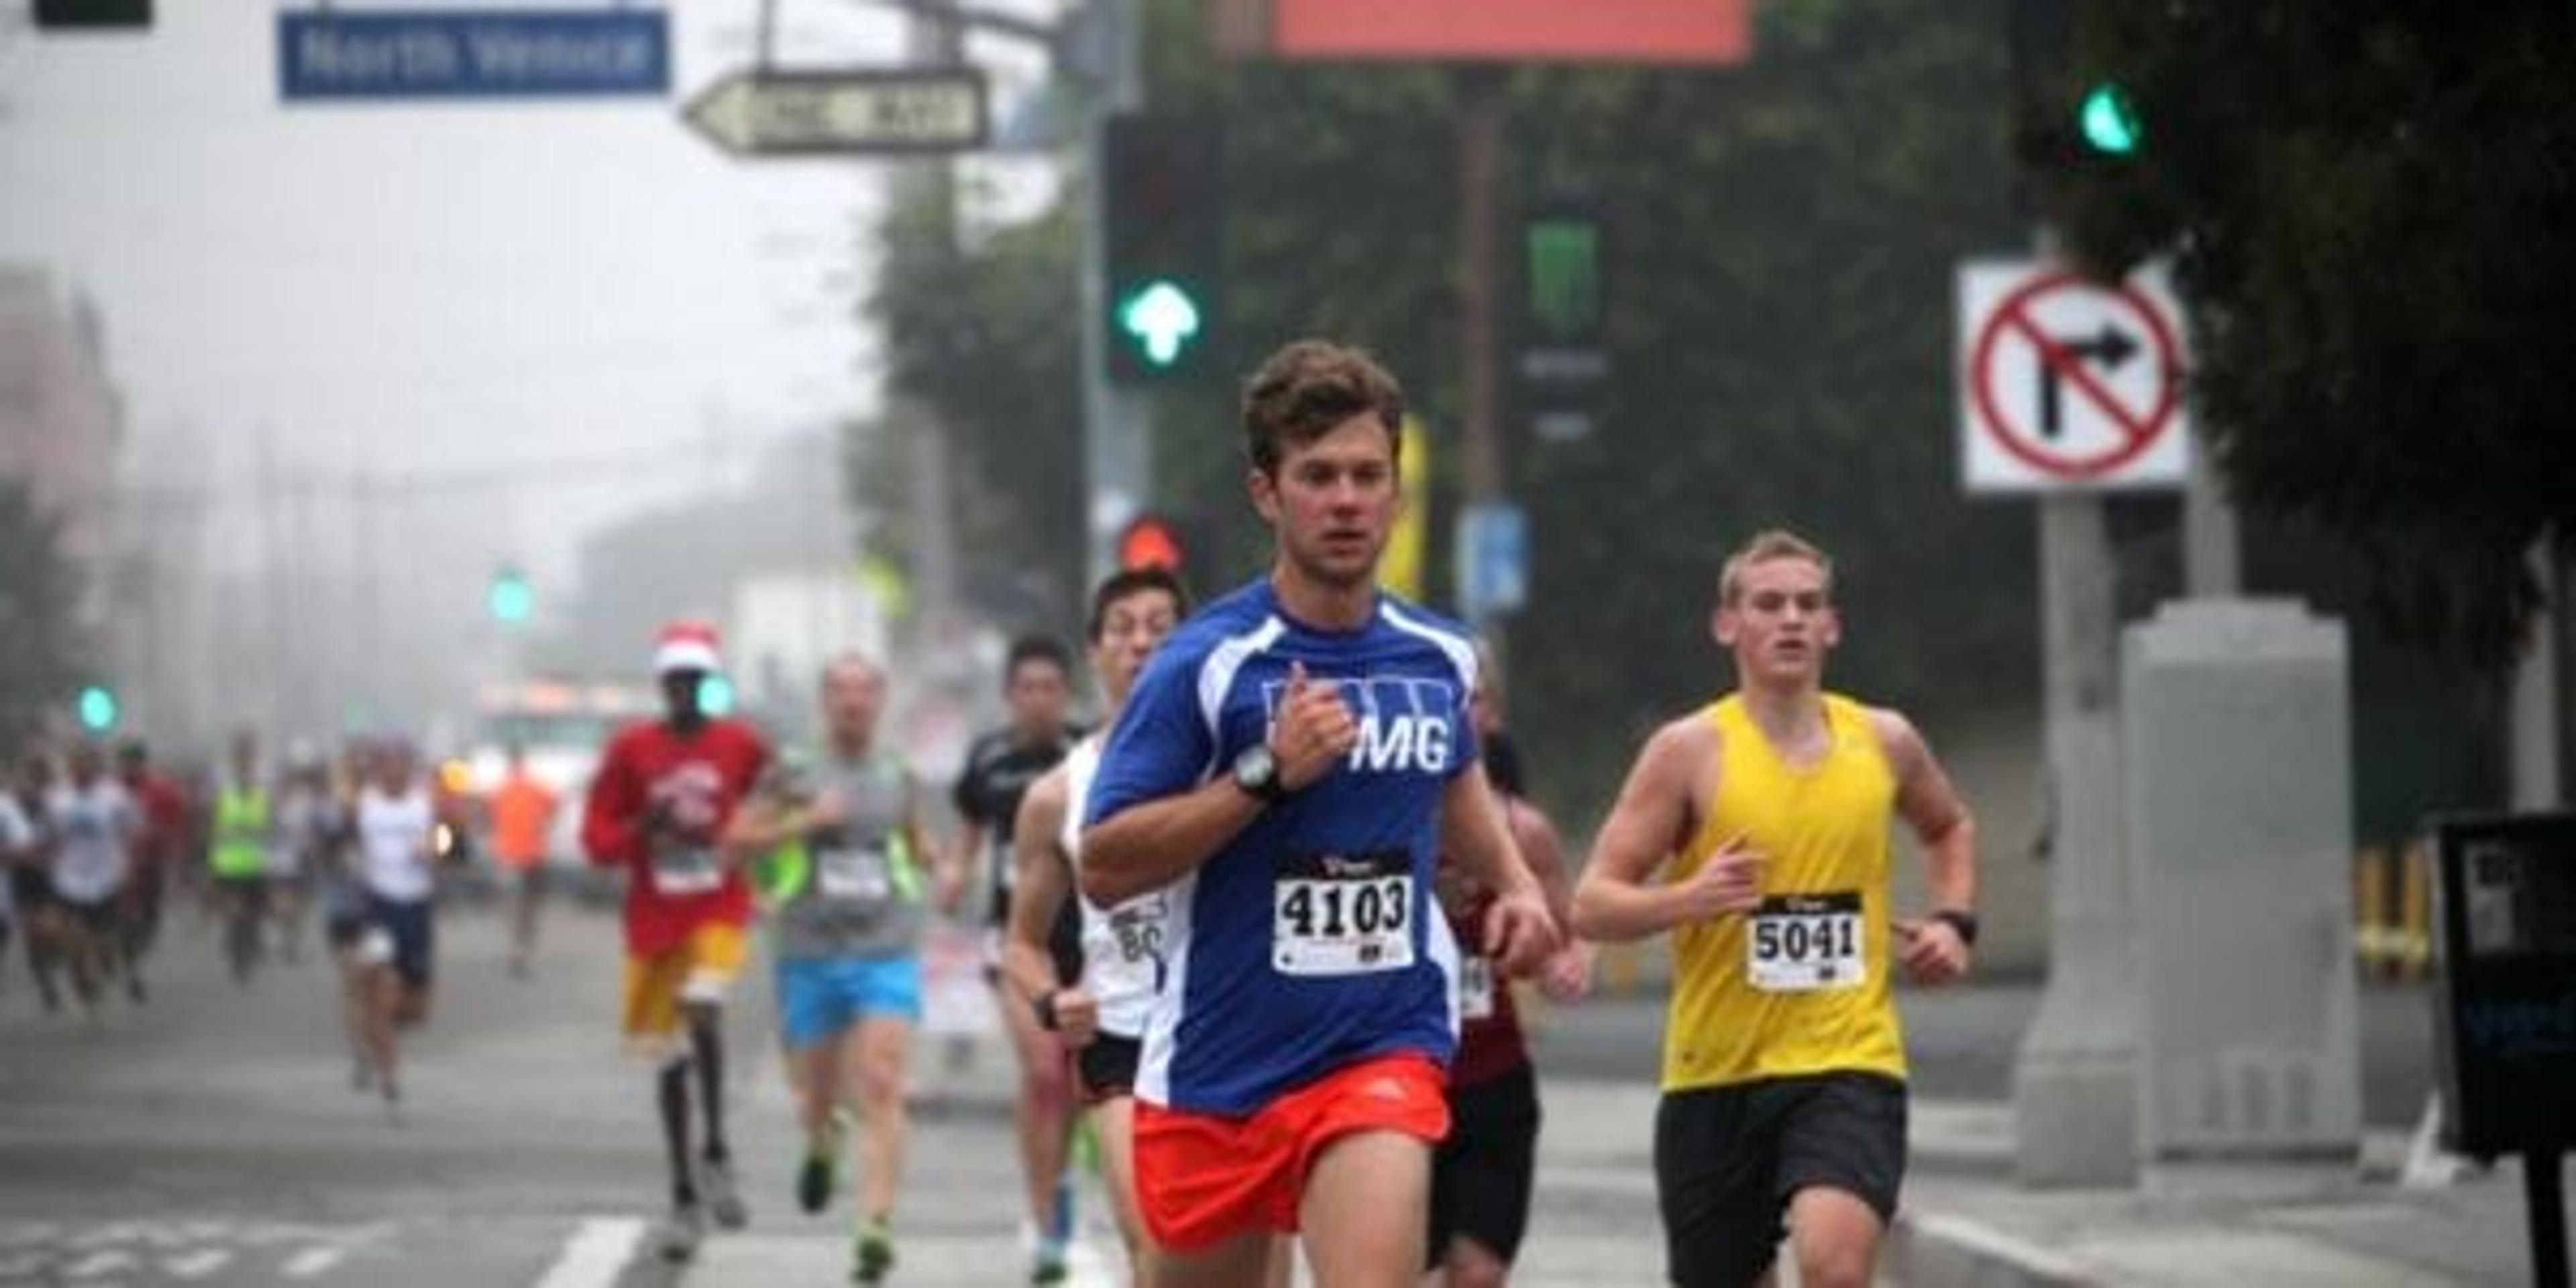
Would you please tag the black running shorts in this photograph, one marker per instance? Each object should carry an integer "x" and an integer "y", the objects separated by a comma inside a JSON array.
[
  {"x": 1481, "y": 1175},
  {"x": 1729, "y": 1159},
  {"x": 1108, "y": 1066}
]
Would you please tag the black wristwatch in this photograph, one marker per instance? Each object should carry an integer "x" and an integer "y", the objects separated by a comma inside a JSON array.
[
  {"x": 1044, "y": 1005},
  {"x": 1961, "y": 920},
  {"x": 1256, "y": 772}
]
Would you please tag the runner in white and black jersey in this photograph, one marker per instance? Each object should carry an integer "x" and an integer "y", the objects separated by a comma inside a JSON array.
[
  {"x": 395, "y": 823},
  {"x": 1101, "y": 1010},
  {"x": 1000, "y": 765},
  {"x": 93, "y": 825}
]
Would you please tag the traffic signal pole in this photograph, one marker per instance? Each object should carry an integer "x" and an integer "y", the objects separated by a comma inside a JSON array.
[
  {"x": 1117, "y": 447},
  {"x": 937, "y": 39}
]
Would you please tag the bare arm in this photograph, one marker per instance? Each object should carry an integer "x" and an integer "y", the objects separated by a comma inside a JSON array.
[
  {"x": 763, "y": 824},
  {"x": 1038, "y": 890},
  {"x": 1520, "y": 931},
  {"x": 1567, "y": 974},
  {"x": 1934, "y": 950},
  {"x": 1544, "y": 851},
  {"x": 1473, "y": 831},
  {"x": 1152, "y": 844},
  {"x": 966, "y": 852},
  {"x": 1657, "y": 812},
  {"x": 1653, "y": 816},
  {"x": 948, "y": 873}
]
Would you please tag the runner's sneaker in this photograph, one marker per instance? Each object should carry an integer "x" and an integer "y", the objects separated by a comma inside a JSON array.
[
  {"x": 682, "y": 1231},
  {"x": 815, "y": 1177},
  {"x": 715, "y": 1178},
  {"x": 1049, "y": 1266},
  {"x": 873, "y": 1255}
]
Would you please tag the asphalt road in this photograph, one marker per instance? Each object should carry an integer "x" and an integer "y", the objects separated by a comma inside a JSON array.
[{"x": 211, "y": 1137}]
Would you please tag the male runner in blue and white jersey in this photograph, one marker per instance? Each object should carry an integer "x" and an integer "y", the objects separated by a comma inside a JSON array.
[{"x": 1290, "y": 764}]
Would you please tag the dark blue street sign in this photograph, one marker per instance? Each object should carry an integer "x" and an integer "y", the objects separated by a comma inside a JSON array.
[{"x": 480, "y": 53}]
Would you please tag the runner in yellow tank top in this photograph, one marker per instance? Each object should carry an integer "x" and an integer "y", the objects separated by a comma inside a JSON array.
[{"x": 1784, "y": 1094}]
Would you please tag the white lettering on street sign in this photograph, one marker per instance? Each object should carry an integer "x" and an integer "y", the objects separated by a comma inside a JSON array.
[{"x": 821, "y": 113}]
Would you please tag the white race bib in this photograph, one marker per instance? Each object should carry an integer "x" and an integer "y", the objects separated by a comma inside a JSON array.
[
  {"x": 1475, "y": 989},
  {"x": 686, "y": 870},
  {"x": 853, "y": 873},
  {"x": 1337, "y": 916},
  {"x": 1805, "y": 943},
  {"x": 1138, "y": 926}
]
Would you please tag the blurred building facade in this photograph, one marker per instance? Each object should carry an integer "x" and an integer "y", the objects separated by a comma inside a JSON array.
[
  {"x": 61, "y": 417},
  {"x": 65, "y": 431}
]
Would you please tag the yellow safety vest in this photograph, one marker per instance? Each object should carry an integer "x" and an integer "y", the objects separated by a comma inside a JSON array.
[{"x": 240, "y": 846}]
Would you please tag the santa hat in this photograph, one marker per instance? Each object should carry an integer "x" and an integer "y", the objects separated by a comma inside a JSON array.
[{"x": 686, "y": 646}]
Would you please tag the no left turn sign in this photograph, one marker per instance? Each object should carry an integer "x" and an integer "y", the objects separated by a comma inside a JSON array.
[{"x": 2066, "y": 384}]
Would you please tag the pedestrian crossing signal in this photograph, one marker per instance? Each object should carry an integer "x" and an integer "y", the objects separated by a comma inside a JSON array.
[
  {"x": 1150, "y": 541},
  {"x": 1161, "y": 243}
]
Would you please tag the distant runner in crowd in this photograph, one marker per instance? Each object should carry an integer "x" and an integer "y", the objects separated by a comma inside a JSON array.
[{"x": 1037, "y": 687}]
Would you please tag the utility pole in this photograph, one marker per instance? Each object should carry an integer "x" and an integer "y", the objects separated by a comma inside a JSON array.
[
  {"x": 1117, "y": 442},
  {"x": 2076, "y": 1075},
  {"x": 937, "y": 39}
]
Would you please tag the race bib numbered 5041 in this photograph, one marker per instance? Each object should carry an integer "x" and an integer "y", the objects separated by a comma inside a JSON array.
[
  {"x": 686, "y": 869},
  {"x": 855, "y": 873},
  {"x": 1334, "y": 914},
  {"x": 1806, "y": 943}
]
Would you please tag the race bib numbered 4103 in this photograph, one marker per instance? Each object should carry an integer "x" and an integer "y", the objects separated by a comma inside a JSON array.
[
  {"x": 1806, "y": 943},
  {"x": 686, "y": 869},
  {"x": 1335, "y": 914}
]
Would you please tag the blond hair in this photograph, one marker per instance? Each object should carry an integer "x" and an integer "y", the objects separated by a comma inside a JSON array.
[{"x": 1767, "y": 545}]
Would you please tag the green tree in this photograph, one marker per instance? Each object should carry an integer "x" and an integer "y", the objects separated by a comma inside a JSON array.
[
  {"x": 985, "y": 337},
  {"x": 2367, "y": 203},
  {"x": 41, "y": 644},
  {"x": 1780, "y": 243},
  {"x": 1780, "y": 240}
]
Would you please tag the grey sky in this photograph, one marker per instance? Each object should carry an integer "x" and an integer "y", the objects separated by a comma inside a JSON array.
[{"x": 426, "y": 289}]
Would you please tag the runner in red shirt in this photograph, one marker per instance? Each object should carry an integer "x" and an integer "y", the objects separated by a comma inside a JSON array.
[
  {"x": 157, "y": 852},
  {"x": 663, "y": 794},
  {"x": 1481, "y": 1176}
]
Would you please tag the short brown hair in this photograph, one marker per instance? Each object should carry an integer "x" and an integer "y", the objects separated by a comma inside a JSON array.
[
  {"x": 1307, "y": 389},
  {"x": 1767, "y": 545}
]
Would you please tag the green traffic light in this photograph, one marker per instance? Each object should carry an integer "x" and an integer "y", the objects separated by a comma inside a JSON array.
[
  {"x": 2110, "y": 121},
  {"x": 97, "y": 709},
  {"x": 1161, "y": 317},
  {"x": 509, "y": 598}
]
